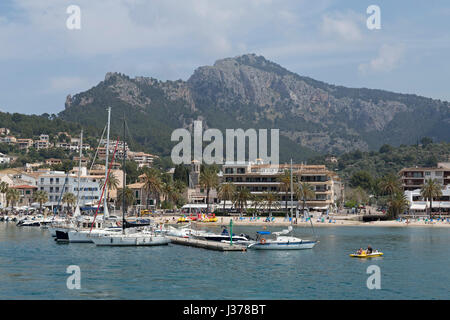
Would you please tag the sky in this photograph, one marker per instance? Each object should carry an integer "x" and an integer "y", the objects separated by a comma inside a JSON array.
[{"x": 42, "y": 60}]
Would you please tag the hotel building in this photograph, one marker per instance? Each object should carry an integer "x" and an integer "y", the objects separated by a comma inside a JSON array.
[
  {"x": 260, "y": 178},
  {"x": 414, "y": 178}
]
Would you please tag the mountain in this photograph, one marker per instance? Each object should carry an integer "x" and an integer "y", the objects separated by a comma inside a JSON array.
[{"x": 251, "y": 92}]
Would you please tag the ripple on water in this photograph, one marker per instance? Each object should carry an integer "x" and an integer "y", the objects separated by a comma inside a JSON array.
[{"x": 33, "y": 266}]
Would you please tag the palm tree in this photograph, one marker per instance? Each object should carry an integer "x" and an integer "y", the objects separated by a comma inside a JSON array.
[
  {"x": 173, "y": 191},
  {"x": 285, "y": 185},
  {"x": 129, "y": 197},
  {"x": 226, "y": 192},
  {"x": 208, "y": 180},
  {"x": 257, "y": 201},
  {"x": 40, "y": 196},
  {"x": 3, "y": 187},
  {"x": 431, "y": 189},
  {"x": 241, "y": 196},
  {"x": 397, "y": 204},
  {"x": 153, "y": 184},
  {"x": 112, "y": 184},
  {"x": 304, "y": 191},
  {"x": 12, "y": 196},
  {"x": 69, "y": 199},
  {"x": 390, "y": 184},
  {"x": 270, "y": 199}
]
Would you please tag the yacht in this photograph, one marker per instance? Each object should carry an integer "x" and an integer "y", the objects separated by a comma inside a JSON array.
[
  {"x": 225, "y": 236},
  {"x": 266, "y": 240}
]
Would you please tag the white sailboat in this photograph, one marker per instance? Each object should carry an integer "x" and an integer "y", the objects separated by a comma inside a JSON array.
[
  {"x": 129, "y": 237},
  {"x": 266, "y": 240}
]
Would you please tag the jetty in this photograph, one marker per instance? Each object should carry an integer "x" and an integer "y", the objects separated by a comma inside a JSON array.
[{"x": 205, "y": 244}]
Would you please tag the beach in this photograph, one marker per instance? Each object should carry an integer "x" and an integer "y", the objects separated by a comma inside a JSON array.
[{"x": 335, "y": 221}]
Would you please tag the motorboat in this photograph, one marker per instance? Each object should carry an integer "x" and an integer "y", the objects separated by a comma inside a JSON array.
[
  {"x": 364, "y": 254},
  {"x": 225, "y": 236},
  {"x": 266, "y": 240}
]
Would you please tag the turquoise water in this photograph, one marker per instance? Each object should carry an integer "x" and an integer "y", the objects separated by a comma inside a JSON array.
[{"x": 415, "y": 266}]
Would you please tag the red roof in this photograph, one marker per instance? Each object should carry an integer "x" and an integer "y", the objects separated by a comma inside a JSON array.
[{"x": 24, "y": 186}]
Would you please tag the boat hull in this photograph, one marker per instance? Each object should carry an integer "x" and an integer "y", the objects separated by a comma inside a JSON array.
[
  {"x": 301, "y": 245},
  {"x": 130, "y": 241},
  {"x": 372, "y": 255}
]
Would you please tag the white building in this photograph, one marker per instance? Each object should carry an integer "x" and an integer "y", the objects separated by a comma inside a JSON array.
[
  {"x": 56, "y": 183},
  {"x": 4, "y": 159},
  {"x": 419, "y": 206}
]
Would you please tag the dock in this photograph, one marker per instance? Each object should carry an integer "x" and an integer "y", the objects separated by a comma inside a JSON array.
[{"x": 211, "y": 245}]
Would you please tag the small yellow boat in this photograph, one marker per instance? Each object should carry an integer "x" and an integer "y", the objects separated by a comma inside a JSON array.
[{"x": 366, "y": 255}]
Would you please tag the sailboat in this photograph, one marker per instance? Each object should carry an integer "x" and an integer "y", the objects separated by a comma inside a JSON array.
[
  {"x": 266, "y": 240},
  {"x": 129, "y": 236},
  {"x": 85, "y": 236}
]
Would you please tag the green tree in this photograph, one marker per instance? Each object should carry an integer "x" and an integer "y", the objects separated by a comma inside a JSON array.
[
  {"x": 304, "y": 191},
  {"x": 153, "y": 183},
  {"x": 208, "y": 180},
  {"x": 397, "y": 204},
  {"x": 69, "y": 199},
  {"x": 128, "y": 195},
  {"x": 241, "y": 197},
  {"x": 12, "y": 196},
  {"x": 285, "y": 186},
  {"x": 390, "y": 184},
  {"x": 41, "y": 196},
  {"x": 270, "y": 200},
  {"x": 431, "y": 189},
  {"x": 362, "y": 179},
  {"x": 226, "y": 192}
]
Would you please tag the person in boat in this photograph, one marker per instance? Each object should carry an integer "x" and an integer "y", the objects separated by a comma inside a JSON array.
[
  {"x": 359, "y": 251},
  {"x": 369, "y": 249}
]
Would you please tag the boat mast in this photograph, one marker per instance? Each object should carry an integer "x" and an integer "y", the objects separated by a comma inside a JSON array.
[
  {"x": 292, "y": 195},
  {"x": 105, "y": 203},
  {"x": 124, "y": 177},
  {"x": 79, "y": 169}
]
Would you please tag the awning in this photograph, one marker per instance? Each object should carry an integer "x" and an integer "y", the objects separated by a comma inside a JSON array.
[
  {"x": 195, "y": 205},
  {"x": 416, "y": 206}
]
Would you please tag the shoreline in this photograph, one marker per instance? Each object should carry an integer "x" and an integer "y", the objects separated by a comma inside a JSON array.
[{"x": 280, "y": 222}]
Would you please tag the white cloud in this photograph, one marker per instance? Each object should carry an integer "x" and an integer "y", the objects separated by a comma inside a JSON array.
[
  {"x": 343, "y": 26},
  {"x": 389, "y": 57},
  {"x": 67, "y": 84}
]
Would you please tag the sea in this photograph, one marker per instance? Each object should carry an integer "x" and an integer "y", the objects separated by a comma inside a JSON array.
[{"x": 414, "y": 266}]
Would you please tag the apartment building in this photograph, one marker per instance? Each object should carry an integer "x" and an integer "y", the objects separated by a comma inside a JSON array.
[
  {"x": 24, "y": 144},
  {"x": 260, "y": 178},
  {"x": 56, "y": 183},
  {"x": 43, "y": 142},
  {"x": 8, "y": 139},
  {"x": 142, "y": 159},
  {"x": 4, "y": 131},
  {"x": 4, "y": 159},
  {"x": 420, "y": 206},
  {"x": 414, "y": 178},
  {"x": 26, "y": 193},
  {"x": 53, "y": 161}
]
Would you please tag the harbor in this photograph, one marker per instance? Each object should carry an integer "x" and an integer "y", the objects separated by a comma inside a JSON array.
[
  {"x": 210, "y": 245},
  {"x": 33, "y": 266}
]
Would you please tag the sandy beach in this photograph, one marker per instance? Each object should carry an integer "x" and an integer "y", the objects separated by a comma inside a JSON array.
[{"x": 281, "y": 221}]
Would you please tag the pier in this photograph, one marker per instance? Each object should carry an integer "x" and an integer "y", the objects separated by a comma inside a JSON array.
[{"x": 211, "y": 245}]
